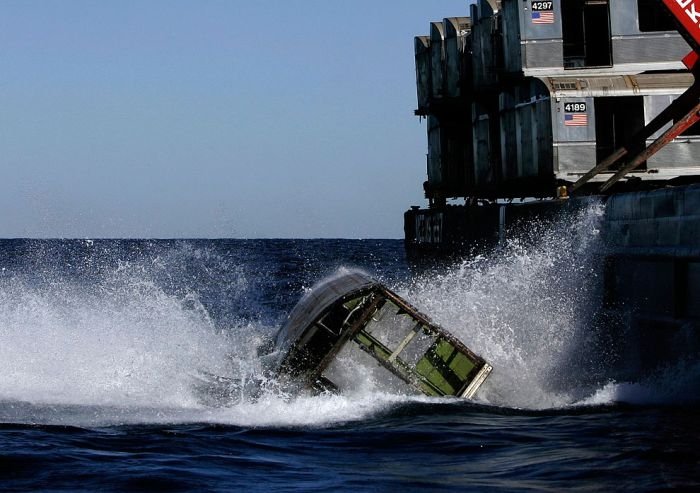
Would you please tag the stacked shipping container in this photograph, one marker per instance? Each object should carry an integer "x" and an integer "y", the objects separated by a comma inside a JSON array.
[{"x": 523, "y": 99}]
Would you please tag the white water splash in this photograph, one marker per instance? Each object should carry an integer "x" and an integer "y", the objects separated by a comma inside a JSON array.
[
  {"x": 124, "y": 350},
  {"x": 128, "y": 351},
  {"x": 131, "y": 345},
  {"x": 525, "y": 310}
]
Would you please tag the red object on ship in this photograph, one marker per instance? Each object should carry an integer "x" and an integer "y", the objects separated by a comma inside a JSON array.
[{"x": 687, "y": 13}]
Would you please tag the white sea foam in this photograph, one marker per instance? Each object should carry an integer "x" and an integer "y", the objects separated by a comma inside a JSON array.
[
  {"x": 125, "y": 350},
  {"x": 131, "y": 345},
  {"x": 525, "y": 310}
]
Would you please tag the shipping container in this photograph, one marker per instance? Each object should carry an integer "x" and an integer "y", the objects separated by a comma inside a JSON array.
[
  {"x": 457, "y": 56},
  {"x": 450, "y": 170},
  {"x": 437, "y": 59},
  {"x": 591, "y": 117},
  {"x": 423, "y": 73},
  {"x": 546, "y": 103},
  {"x": 486, "y": 46},
  {"x": 554, "y": 37}
]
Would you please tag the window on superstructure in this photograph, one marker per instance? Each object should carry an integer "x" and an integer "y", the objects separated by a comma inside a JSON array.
[{"x": 653, "y": 16}]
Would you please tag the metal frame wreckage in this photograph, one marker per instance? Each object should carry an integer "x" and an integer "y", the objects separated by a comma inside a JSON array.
[{"x": 352, "y": 313}]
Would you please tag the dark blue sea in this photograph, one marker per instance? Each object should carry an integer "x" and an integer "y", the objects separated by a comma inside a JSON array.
[{"x": 106, "y": 347}]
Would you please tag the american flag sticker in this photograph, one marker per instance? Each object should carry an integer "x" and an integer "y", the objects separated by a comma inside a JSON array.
[
  {"x": 543, "y": 17},
  {"x": 576, "y": 119}
]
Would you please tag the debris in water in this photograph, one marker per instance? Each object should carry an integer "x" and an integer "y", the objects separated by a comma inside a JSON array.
[{"x": 354, "y": 313}]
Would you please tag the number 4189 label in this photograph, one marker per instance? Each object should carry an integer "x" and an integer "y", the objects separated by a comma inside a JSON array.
[{"x": 575, "y": 107}]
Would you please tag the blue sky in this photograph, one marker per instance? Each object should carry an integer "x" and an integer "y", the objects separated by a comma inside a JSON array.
[{"x": 207, "y": 118}]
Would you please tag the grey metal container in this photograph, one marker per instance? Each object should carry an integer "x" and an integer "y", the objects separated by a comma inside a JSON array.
[
  {"x": 631, "y": 101},
  {"x": 457, "y": 70},
  {"x": 437, "y": 59},
  {"x": 423, "y": 73},
  {"x": 555, "y": 37},
  {"x": 450, "y": 168},
  {"x": 526, "y": 136},
  {"x": 435, "y": 159},
  {"x": 485, "y": 46},
  {"x": 486, "y": 147}
]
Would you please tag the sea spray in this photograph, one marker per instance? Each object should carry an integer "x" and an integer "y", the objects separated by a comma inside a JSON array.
[
  {"x": 526, "y": 309},
  {"x": 132, "y": 345},
  {"x": 126, "y": 331},
  {"x": 121, "y": 323}
]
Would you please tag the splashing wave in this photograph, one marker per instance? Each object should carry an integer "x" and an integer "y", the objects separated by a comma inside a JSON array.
[{"x": 132, "y": 344}]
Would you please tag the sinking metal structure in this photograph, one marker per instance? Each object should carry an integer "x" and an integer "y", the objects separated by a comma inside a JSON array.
[{"x": 352, "y": 314}]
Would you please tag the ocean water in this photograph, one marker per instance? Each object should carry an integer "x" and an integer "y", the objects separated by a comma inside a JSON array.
[{"x": 107, "y": 349}]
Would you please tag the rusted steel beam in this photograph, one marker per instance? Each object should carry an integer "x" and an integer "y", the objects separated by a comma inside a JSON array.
[
  {"x": 599, "y": 168},
  {"x": 692, "y": 117}
]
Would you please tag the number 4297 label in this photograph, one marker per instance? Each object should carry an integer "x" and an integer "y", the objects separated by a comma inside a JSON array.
[{"x": 542, "y": 6}]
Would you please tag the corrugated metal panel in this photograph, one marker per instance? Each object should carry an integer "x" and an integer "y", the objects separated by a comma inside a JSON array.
[
  {"x": 511, "y": 26},
  {"x": 450, "y": 160},
  {"x": 653, "y": 105},
  {"x": 531, "y": 107},
  {"x": 423, "y": 71},
  {"x": 434, "y": 152},
  {"x": 544, "y": 158},
  {"x": 437, "y": 58},
  {"x": 543, "y": 54},
  {"x": 649, "y": 48},
  {"x": 680, "y": 154},
  {"x": 624, "y": 18},
  {"x": 671, "y": 83},
  {"x": 574, "y": 159},
  {"x": 483, "y": 49},
  {"x": 482, "y": 155},
  {"x": 510, "y": 135},
  {"x": 676, "y": 159},
  {"x": 456, "y": 32}
]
